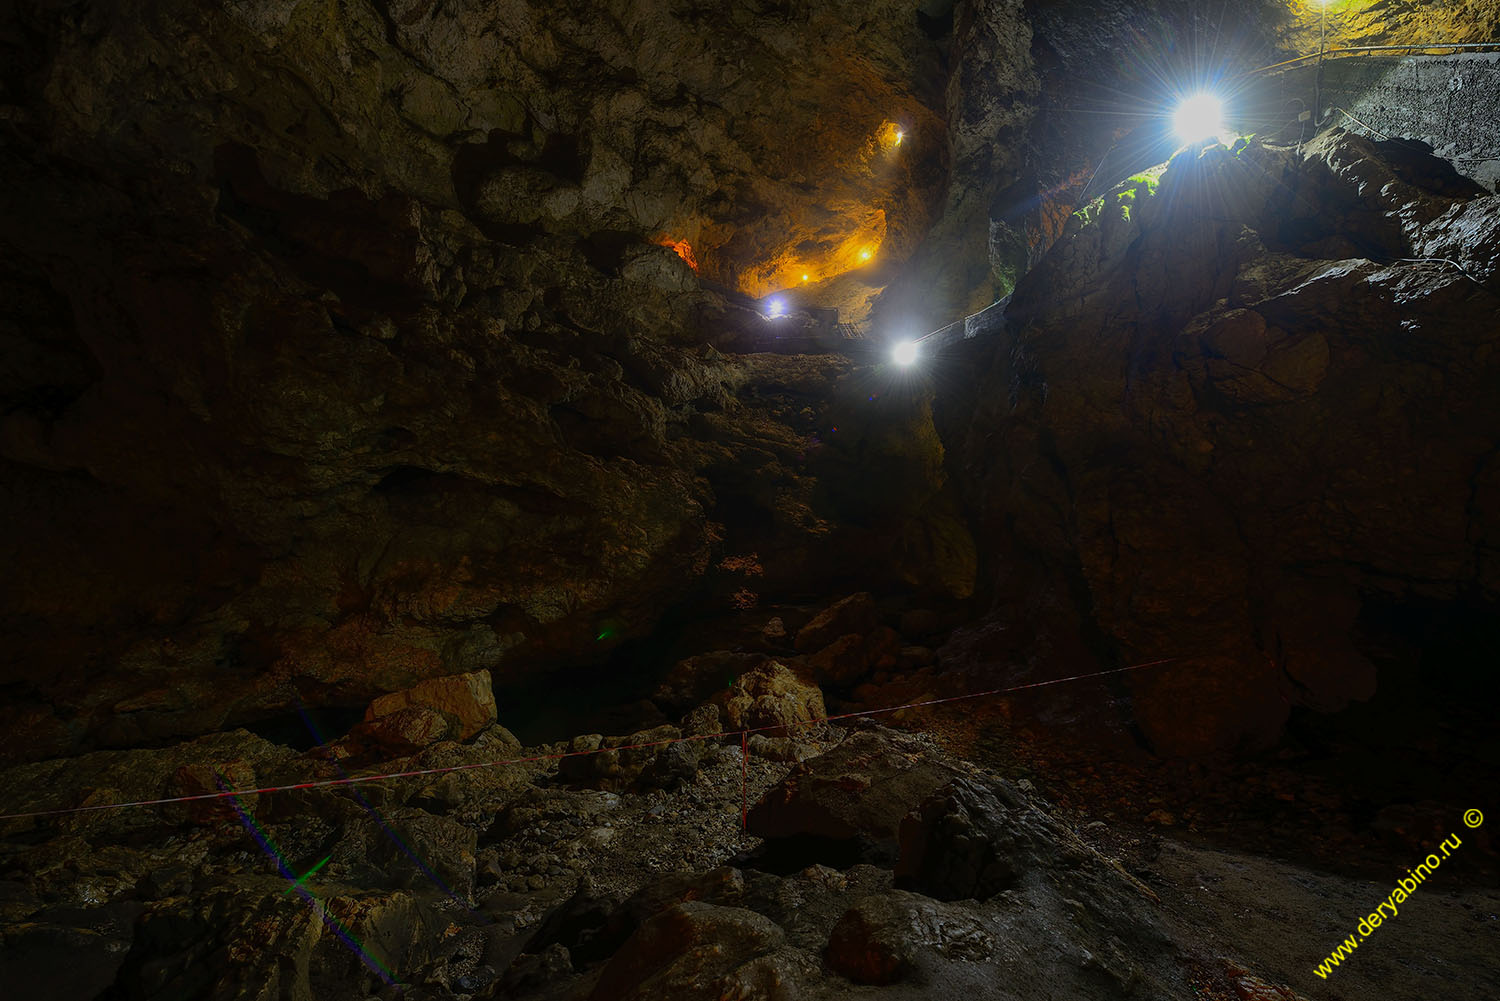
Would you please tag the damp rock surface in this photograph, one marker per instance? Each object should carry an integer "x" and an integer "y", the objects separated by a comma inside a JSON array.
[{"x": 1257, "y": 357}]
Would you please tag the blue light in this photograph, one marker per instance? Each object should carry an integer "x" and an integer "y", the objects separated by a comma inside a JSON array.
[{"x": 776, "y": 307}]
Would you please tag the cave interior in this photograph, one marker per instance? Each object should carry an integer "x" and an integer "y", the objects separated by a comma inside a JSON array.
[{"x": 607, "y": 500}]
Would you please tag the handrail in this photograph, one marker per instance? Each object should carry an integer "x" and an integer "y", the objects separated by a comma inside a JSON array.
[
  {"x": 967, "y": 322},
  {"x": 1348, "y": 49}
]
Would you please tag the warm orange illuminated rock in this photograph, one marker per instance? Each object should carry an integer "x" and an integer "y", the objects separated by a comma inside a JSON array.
[
  {"x": 855, "y": 243},
  {"x": 683, "y": 249}
]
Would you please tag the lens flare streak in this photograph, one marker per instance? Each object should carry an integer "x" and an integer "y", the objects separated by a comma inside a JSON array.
[
  {"x": 318, "y": 908},
  {"x": 369, "y": 808},
  {"x": 303, "y": 878}
]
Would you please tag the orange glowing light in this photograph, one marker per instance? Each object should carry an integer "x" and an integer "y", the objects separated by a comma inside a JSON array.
[
  {"x": 683, "y": 249},
  {"x": 864, "y": 255},
  {"x": 804, "y": 278}
]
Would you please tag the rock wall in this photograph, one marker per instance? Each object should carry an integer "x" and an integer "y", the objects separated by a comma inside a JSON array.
[
  {"x": 991, "y": 100},
  {"x": 1238, "y": 399},
  {"x": 1051, "y": 102},
  {"x": 354, "y": 344},
  {"x": 344, "y": 350},
  {"x": 1446, "y": 101},
  {"x": 1380, "y": 22},
  {"x": 1042, "y": 96}
]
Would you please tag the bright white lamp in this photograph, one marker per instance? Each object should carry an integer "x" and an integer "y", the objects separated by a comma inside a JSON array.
[
  {"x": 904, "y": 353},
  {"x": 1198, "y": 118}
]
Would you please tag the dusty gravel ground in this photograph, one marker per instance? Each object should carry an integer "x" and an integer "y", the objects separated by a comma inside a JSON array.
[{"x": 1282, "y": 920}]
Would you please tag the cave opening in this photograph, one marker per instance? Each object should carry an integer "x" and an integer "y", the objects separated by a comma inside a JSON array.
[{"x": 938, "y": 24}]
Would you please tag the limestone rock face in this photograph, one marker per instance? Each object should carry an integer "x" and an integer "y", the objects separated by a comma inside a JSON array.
[
  {"x": 1376, "y": 24},
  {"x": 856, "y": 793},
  {"x": 1230, "y": 408},
  {"x": 991, "y": 99},
  {"x": 350, "y": 347},
  {"x": 467, "y": 700},
  {"x": 771, "y": 696},
  {"x": 1040, "y": 97}
]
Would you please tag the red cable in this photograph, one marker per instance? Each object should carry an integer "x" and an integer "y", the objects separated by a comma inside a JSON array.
[{"x": 744, "y": 757}]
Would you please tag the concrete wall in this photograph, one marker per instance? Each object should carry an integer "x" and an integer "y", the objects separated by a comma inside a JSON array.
[{"x": 1451, "y": 102}]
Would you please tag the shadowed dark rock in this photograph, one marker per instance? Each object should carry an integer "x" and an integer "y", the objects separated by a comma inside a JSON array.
[
  {"x": 962, "y": 843},
  {"x": 702, "y": 951},
  {"x": 854, "y": 614},
  {"x": 1229, "y": 412},
  {"x": 879, "y": 939}
]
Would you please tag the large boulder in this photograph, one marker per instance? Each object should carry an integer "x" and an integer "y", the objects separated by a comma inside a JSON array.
[
  {"x": 694, "y": 679},
  {"x": 403, "y": 731},
  {"x": 852, "y": 656},
  {"x": 971, "y": 841},
  {"x": 695, "y": 951},
  {"x": 465, "y": 701},
  {"x": 853, "y": 796},
  {"x": 881, "y": 938},
  {"x": 593, "y": 926},
  {"x": 772, "y": 699},
  {"x": 655, "y": 757}
]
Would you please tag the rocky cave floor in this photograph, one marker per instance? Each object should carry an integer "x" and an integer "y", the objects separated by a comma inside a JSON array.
[{"x": 981, "y": 846}]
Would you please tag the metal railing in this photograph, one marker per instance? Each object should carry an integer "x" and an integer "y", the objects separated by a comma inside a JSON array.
[
  {"x": 1344, "y": 50},
  {"x": 983, "y": 322}
]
